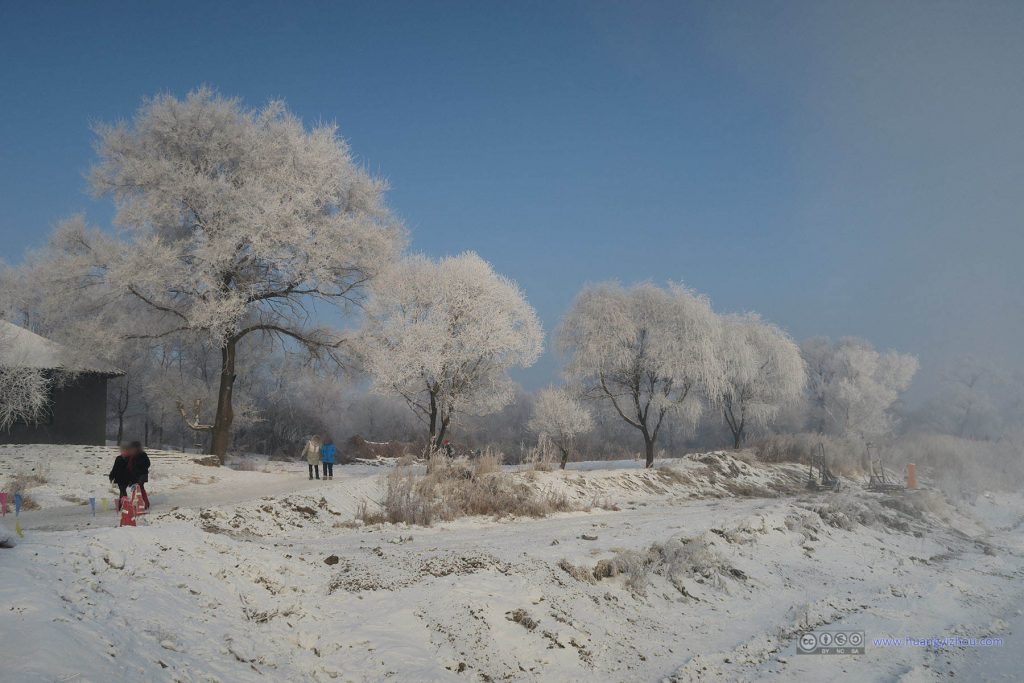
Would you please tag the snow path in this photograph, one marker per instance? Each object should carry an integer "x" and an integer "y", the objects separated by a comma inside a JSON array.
[
  {"x": 67, "y": 517},
  {"x": 233, "y": 585}
]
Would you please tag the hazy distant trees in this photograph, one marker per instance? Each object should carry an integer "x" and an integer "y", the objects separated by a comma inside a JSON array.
[
  {"x": 443, "y": 335},
  {"x": 561, "y": 418},
  {"x": 852, "y": 387},
  {"x": 976, "y": 399},
  {"x": 762, "y": 373},
  {"x": 233, "y": 223},
  {"x": 650, "y": 352}
]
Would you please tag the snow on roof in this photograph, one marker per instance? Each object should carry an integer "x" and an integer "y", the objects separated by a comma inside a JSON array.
[{"x": 25, "y": 349}]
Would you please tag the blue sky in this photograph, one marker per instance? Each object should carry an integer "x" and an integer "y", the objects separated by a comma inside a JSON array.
[{"x": 842, "y": 168}]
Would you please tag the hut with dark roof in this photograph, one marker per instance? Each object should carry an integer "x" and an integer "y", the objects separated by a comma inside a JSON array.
[{"x": 77, "y": 412}]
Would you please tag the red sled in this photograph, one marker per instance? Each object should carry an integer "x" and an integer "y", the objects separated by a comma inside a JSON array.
[{"x": 130, "y": 508}]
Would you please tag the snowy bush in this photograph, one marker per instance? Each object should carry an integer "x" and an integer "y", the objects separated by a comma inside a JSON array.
[
  {"x": 450, "y": 489},
  {"x": 675, "y": 560}
]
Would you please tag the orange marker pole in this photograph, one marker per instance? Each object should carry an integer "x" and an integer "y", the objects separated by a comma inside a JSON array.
[{"x": 911, "y": 476}]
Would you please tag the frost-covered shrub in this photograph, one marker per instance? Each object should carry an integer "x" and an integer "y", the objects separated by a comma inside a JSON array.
[
  {"x": 675, "y": 560},
  {"x": 449, "y": 489},
  {"x": 845, "y": 511}
]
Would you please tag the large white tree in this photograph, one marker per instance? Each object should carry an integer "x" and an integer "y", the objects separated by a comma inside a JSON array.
[
  {"x": 650, "y": 352},
  {"x": 558, "y": 416},
  {"x": 235, "y": 222},
  {"x": 762, "y": 373},
  {"x": 443, "y": 335},
  {"x": 852, "y": 388}
]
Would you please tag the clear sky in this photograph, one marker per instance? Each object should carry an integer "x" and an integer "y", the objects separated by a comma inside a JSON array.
[{"x": 844, "y": 168}]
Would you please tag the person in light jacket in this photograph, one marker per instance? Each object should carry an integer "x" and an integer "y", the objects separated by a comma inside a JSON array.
[
  {"x": 327, "y": 452},
  {"x": 312, "y": 455}
]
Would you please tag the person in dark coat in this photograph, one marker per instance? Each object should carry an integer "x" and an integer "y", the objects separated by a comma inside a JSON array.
[
  {"x": 131, "y": 466},
  {"x": 141, "y": 464}
]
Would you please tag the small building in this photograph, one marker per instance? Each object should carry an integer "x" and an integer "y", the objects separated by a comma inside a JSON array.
[{"x": 77, "y": 412}]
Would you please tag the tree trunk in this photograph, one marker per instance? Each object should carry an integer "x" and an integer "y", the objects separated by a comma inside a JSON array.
[
  {"x": 432, "y": 422},
  {"x": 649, "y": 450},
  {"x": 221, "y": 436},
  {"x": 122, "y": 407},
  {"x": 737, "y": 439},
  {"x": 441, "y": 432},
  {"x": 565, "y": 456}
]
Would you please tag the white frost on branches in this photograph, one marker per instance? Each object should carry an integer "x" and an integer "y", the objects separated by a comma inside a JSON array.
[
  {"x": 763, "y": 373},
  {"x": 650, "y": 352},
  {"x": 443, "y": 335},
  {"x": 24, "y": 390},
  {"x": 233, "y": 222},
  {"x": 852, "y": 387},
  {"x": 560, "y": 418},
  {"x": 236, "y": 218}
]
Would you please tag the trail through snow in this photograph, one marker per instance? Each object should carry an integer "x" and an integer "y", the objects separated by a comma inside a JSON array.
[{"x": 264, "y": 576}]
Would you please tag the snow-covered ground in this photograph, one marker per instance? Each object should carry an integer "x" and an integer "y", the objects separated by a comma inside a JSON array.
[{"x": 264, "y": 575}]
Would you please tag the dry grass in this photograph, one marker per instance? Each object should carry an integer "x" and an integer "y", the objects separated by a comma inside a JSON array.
[
  {"x": 544, "y": 457},
  {"x": 458, "y": 488},
  {"x": 673, "y": 475},
  {"x": 23, "y": 480},
  {"x": 674, "y": 560},
  {"x": 844, "y": 456}
]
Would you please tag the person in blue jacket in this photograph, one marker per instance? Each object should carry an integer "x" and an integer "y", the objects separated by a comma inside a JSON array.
[{"x": 327, "y": 452}]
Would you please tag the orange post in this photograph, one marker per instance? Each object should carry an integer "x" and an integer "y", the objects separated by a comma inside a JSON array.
[{"x": 911, "y": 476}]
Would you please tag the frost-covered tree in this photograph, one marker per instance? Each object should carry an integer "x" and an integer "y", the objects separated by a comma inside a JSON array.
[
  {"x": 24, "y": 393},
  {"x": 22, "y": 396},
  {"x": 762, "y": 373},
  {"x": 443, "y": 335},
  {"x": 234, "y": 223},
  {"x": 561, "y": 418},
  {"x": 650, "y": 352},
  {"x": 852, "y": 387}
]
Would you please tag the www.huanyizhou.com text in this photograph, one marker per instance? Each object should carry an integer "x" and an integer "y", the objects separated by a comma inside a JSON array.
[{"x": 938, "y": 643}]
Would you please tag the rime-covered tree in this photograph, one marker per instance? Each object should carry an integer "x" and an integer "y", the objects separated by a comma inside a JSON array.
[
  {"x": 561, "y": 418},
  {"x": 650, "y": 352},
  {"x": 24, "y": 390},
  {"x": 236, "y": 222},
  {"x": 762, "y": 373},
  {"x": 852, "y": 388},
  {"x": 443, "y": 335}
]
